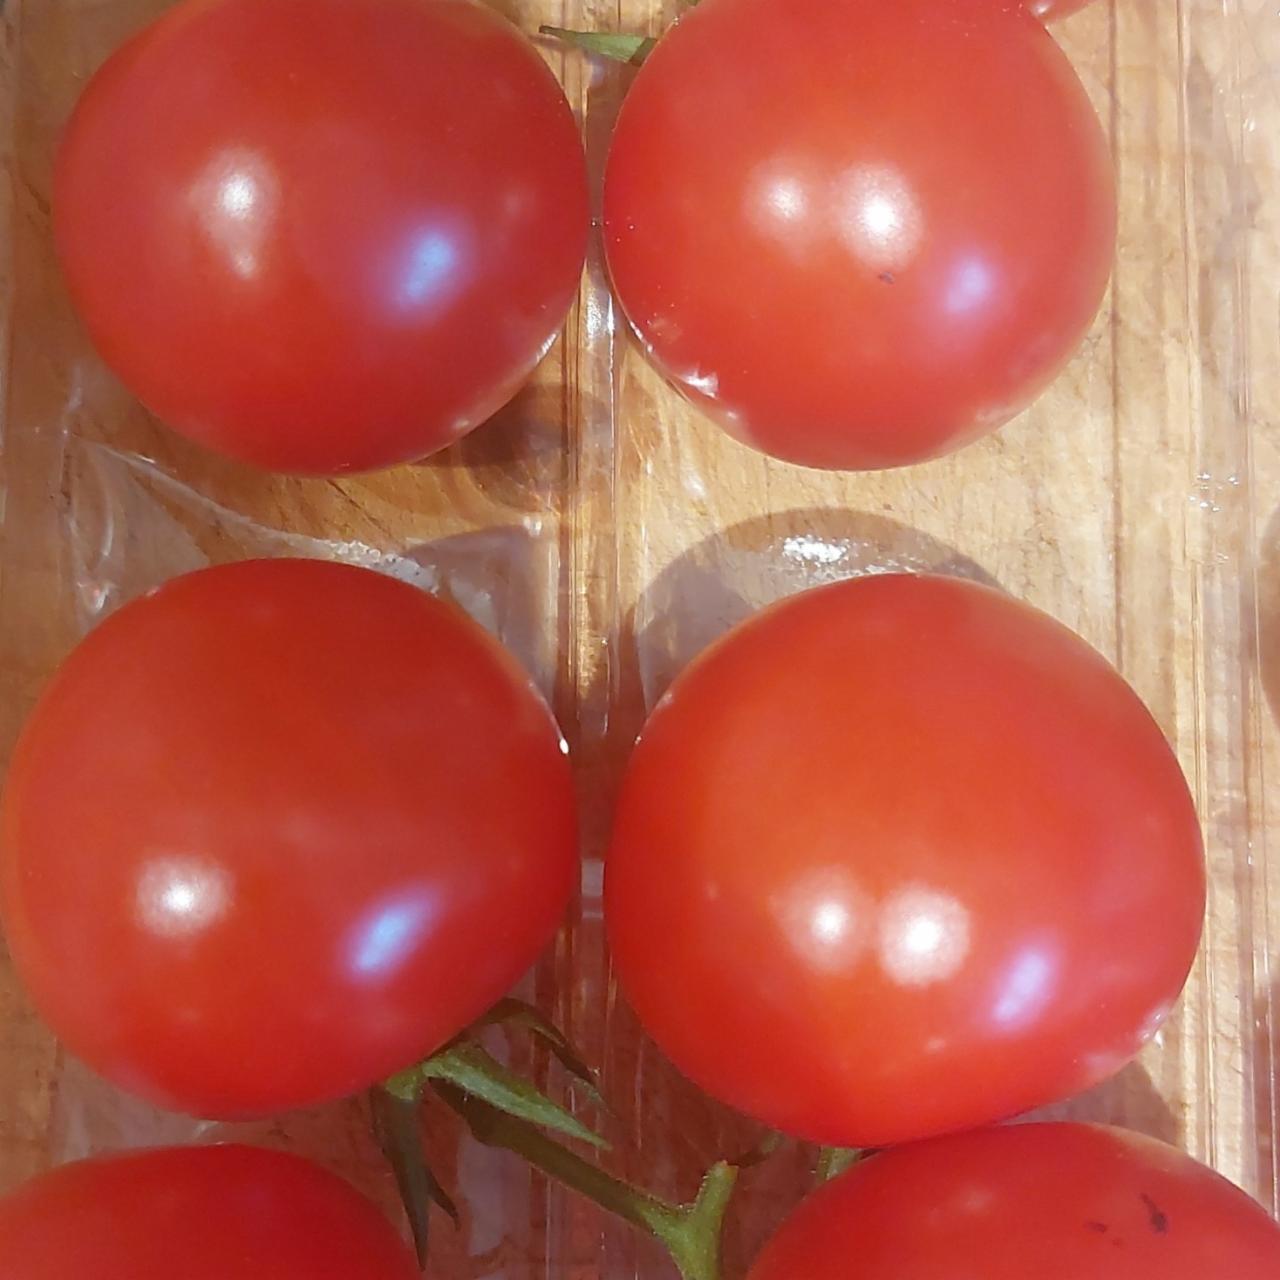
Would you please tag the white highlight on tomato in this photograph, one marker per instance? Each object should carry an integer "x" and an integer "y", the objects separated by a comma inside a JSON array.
[
  {"x": 1026, "y": 988},
  {"x": 181, "y": 895},
  {"x": 970, "y": 284},
  {"x": 923, "y": 936},
  {"x": 825, "y": 917},
  {"x": 236, "y": 197},
  {"x": 879, "y": 217},
  {"x": 780, "y": 206},
  {"x": 787, "y": 199},
  {"x": 391, "y": 931},
  {"x": 830, "y": 921}
]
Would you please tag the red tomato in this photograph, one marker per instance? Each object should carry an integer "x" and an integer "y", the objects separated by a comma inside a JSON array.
[
  {"x": 279, "y": 830},
  {"x": 199, "y": 1213},
  {"x": 323, "y": 235},
  {"x": 859, "y": 234},
  {"x": 1053, "y": 1201},
  {"x": 899, "y": 856}
]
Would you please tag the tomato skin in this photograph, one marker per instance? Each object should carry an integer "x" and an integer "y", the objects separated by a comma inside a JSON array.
[
  {"x": 202, "y": 1213},
  {"x": 886, "y": 248},
  {"x": 277, "y": 831},
  {"x": 915, "y": 851},
  {"x": 355, "y": 258},
  {"x": 1054, "y": 1201}
]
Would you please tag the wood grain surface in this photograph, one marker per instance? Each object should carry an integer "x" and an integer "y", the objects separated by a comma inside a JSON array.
[{"x": 608, "y": 532}]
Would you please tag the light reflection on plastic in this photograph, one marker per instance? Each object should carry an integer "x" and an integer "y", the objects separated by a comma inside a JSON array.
[
  {"x": 706, "y": 383},
  {"x": 390, "y": 932},
  {"x": 1152, "y": 1024},
  {"x": 805, "y": 547}
]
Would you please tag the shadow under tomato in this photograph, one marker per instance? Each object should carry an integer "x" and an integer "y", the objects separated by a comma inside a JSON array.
[
  {"x": 519, "y": 458},
  {"x": 714, "y": 585},
  {"x": 101, "y": 1117},
  {"x": 727, "y": 577},
  {"x": 1128, "y": 1100}
]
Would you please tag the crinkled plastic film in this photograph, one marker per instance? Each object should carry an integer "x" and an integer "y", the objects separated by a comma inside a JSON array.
[{"x": 607, "y": 532}]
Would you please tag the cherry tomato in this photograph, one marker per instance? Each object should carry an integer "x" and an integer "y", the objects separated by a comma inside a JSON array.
[
  {"x": 859, "y": 234},
  {"x": 278, "y": 830},
  {"x": 323, "y": 235},
  {"x": 898, "y": 856},
  {"x": 1053, "y": 1201},
  {"x": 199, "y": 1213}
]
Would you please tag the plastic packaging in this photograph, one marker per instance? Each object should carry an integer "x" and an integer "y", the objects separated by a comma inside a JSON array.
[{"x": 607, "y": 532}]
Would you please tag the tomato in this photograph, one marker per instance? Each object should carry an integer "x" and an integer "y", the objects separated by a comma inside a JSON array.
[
  {"x": 278, "y": 830},
  {"x": 200, "y": 1213},
  {"x": 859, "y": 234},
  {"x": 323, "y": 235},
  {"x": 898, "y": 856},
  {"x": 1053, "y": 1201}
]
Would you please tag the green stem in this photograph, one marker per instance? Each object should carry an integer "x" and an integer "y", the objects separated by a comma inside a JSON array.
[
  {"x": 691, "y": 1233},
  {"x": 605, "y": 44},
  {"x": 471, "y": 1068},
  {"x": 608, "y": 44},
  {"x": 833, "y": 1161},
  {"x": 396, "y": 1126}
]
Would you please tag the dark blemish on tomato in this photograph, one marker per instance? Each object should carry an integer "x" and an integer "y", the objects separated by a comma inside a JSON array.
[
  {"x": 1116, "y": 1242},
  {"x": 1156, "y": 1216},
  {"x": 887, "y": 277},
  {"x": 1099, "y": 1227}
]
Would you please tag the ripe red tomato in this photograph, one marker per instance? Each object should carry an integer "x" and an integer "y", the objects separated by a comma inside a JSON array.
[
  {"x": 199, "y": 1213},
  {"x": 278, "y": 830},
  {"x": 323, "y": 235},
  {"x": 899, "y": 856},
  {"x": 1053, "y": 1201},
  {"x": 859, "y": 234}
]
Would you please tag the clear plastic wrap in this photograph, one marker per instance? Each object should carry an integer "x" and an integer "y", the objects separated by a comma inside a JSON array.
[{"x": 607, "y": 532}]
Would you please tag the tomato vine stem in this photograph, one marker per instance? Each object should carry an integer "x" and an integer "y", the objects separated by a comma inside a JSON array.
[
  {"x": 395, "y": 1125},
  {"x": 615, "y": 45},
  {"x": 472, "y": 1069},
  {"x": 691, "y": 1232},
  {"x": 605, "y": 44},
  {"x": 833, "y": 1161},
  {"x": 502, "y": 1109}
]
